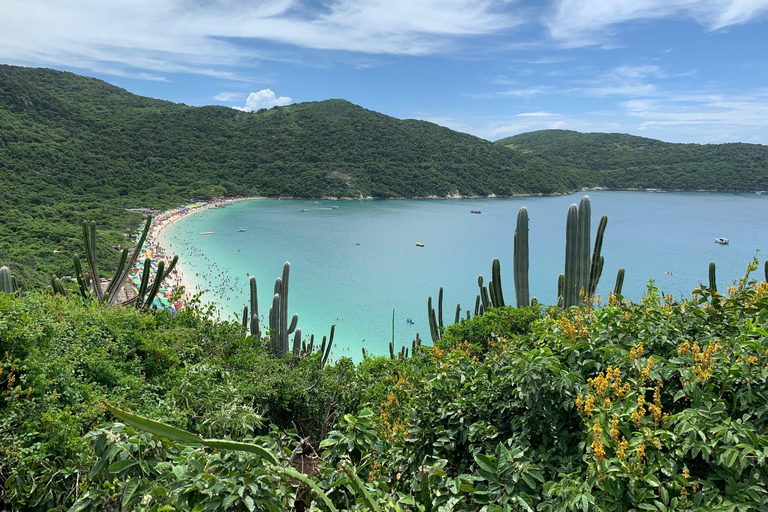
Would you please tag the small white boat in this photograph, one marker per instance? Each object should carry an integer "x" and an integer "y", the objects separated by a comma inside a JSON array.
[
  {"x": 207, "y": 233},
  {"x": 722, "y": 241},
  {"x": 335, "y": 208},
  {"x": 240, "y": 230}
]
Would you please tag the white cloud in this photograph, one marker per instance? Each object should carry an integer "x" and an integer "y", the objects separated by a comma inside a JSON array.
[
  {"x": 228, "y": 96},
  {"x": 713, "y": 110},
  {"x": 265, "y": 98},
  {"x": 586, "y": 22},
  {"x": 557, "y": 125},
  {"x": 212, "y": 37},
  {"x": 537, "y": 114}
]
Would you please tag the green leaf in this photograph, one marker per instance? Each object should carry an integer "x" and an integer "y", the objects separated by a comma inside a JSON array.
[
  {"x": 130, "y": 490},
  {"x": 121, "y": 465},
  {"x": 154, "y": 427},
  {"x": 652, "y": 480}
]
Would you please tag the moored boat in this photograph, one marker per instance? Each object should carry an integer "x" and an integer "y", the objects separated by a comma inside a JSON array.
[
  {"x": 722, "y": 241},
  {"x": 207, "y": 233}
]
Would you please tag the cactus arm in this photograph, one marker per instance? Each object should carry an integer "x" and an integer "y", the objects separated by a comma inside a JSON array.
[
  {"x": 440, "y": 308},
  {"x": 486, "y": 299},
  {"x": 595, "y": 268},
  {"x": 89, "y": 241},
  {"x": 245, "y": 317},
  {"x": 284, "y": 309},
  {"x": 294, "y": 321},
  {"x": 712, "y": 277},
  {"x": 155, "y": 286},
  {"x": 619, "y": 282},
  {"x": 585, "y": 233},
  {"x": 120, "y": 279},
  {"x": 496, "y": 277},
  {"x": 571, "y": 257},
  {"x": 433, "y": 330},
  {"x": 144, "y": 283},
  {"x": 311, "y": 345},
  {"x": 458, "y": 313},
  {"x": 327, "y": 352},
  {"x": 297, "y": 342},
  {"x": 560, "y": 288},
  {"x": 391, "y": 350},
  {"x": 477, "y": 305},
  {"x": 114, "y": 284},
  {"x": 521, "y": 259},
  {"x": 274, "y": 325}
]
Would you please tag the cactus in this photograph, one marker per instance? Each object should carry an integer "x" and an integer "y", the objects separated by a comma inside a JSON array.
[
  {"x": 297, "y": 343},
  {"x": 440, "y": 308},
  {"x": 90, "y": 282},
  {"x": 57, "y": 286},
  {"x": 253, "y": 325},
  {"x": 619, "y": 282},
  {"x": 477, "y": 305},
  {"x": 7, "y": 281},
  {"x": 434, "y": 330},
  {"x": 712, "y": 277},
  {"x": 521, "y": 258},
  {"x": 765, "y": 269},
  {"x": 327, "y": 348},
  {"x": 245, "y": 317},
  {"x": 278, "y": 314},
  {"x": 496, "y": 277},
  {"x": 391, "y": 350},
  {"x": 582, "y": 273},
  {"x": 458, "y": 313}
]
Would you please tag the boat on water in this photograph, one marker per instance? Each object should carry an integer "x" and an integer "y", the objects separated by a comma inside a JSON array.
[
  {"x": 240, "y": 230},
  {"x": 475, "y": 211},
  {"x": 207, "y": 233},
  {"x": 303, "y": 210},
  {"x": 335, "y": 208},
  {"x": 722, "y": 241},
  {"x": 419, "y": 244}
]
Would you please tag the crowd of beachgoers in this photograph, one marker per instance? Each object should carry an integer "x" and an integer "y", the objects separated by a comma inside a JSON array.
[{"x": 154, "y": 250}]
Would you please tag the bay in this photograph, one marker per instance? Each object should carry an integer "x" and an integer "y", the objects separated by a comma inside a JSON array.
[{"x": 353, "y": 265}]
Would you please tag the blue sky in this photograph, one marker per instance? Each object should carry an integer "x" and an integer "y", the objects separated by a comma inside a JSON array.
[{"x": 675, "y": 70}]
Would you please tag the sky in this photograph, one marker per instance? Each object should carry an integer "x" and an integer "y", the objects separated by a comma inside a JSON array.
[{"x": 675, "y": 70}]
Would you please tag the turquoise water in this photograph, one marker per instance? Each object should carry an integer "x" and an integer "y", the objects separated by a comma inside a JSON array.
[{"x": 336, "y": 281}]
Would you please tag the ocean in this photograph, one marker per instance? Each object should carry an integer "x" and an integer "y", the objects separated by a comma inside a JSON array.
[{"x": 352, "y": 265}]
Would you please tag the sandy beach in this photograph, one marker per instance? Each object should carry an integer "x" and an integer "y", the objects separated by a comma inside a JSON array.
[{"x": 156, "y": 246}]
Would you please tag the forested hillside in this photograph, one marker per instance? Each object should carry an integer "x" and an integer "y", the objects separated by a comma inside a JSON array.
[
  {"x": 73, "y": 147},
  {"x": 616, "y": 160}
]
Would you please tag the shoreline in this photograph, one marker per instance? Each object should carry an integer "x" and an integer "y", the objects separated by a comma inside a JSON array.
[{"x": 155, "y": 243}]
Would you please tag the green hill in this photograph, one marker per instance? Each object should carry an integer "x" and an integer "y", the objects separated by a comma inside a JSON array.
[
  {"x": 74, "y": 148},
  {"x": 616, "y": 160}
]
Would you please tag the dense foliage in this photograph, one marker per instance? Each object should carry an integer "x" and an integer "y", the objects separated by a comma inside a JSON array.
[
  {"x": 74, "y": 148},
  {"x": 658, "y": 405},
  {"x": 616, "y": 160}
]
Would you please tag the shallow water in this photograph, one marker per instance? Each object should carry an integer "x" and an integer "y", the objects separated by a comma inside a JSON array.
[{"x": 352, "y": 266}]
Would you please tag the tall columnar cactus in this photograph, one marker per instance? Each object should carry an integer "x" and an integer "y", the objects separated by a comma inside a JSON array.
[
  {"x": 297, "y": 343},
  {"x": 434, "y": 330},
  {"x": 521, "y": 260},
  {"x": 253, "y": 324},
  {"x": 7, "y": 281},
  {"x": 458, "y": 313},
  {"x": 619, "y": 282},
  {"x": 278, "y": 315},
  {"x": 712, "y": 277},
  {"x": 581, "y": 273},
  {"x": 494, "y": 286},
  {"x": 440, "y": 308}
]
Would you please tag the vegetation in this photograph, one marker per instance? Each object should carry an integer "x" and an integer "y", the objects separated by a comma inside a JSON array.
[
  {"x": 658, "y": 405},
  {"x": 621, "y": 161},
  {"x": 75, "y": 148}
]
